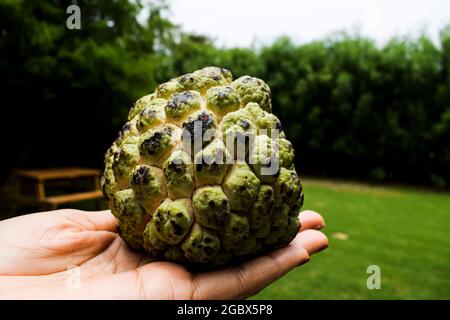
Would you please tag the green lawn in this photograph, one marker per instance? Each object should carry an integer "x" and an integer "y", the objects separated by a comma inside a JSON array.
[{"x": 405, "y": 232}]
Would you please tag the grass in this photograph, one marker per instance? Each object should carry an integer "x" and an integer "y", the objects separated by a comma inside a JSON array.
[{"x": 405, "y": 232}]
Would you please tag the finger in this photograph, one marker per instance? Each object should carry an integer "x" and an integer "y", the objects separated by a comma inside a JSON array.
[
  {"x": 97, "y": 220},
  {"x": 312, "y": 240},
  {"x": 104, "y": 220},
  {"x": 311, "y": 220},
  {"x": 249, "y": 278}
]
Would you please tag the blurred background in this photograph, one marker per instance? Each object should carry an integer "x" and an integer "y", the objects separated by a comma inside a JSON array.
[{"x": 362, "y": 90}]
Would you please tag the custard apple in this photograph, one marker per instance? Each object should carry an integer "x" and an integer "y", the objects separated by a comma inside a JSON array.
[{"x": 202, "y": 173}]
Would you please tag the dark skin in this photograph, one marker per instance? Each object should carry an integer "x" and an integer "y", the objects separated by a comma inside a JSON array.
[{"x": 36, "y": 251}]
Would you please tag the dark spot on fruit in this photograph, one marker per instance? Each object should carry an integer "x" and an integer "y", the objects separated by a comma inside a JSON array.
[
  {"x": 179, "y": 215},
  {"x": 145, "y": 114},
  {"x": 224, "y": 71},
  {"x": 186, "y": 78},
  {"x": 242, "y": 188},
  {"x": 206, "y": 120},
  {"x": 141, "y": 176},
  {"x": 180, "y": 99},
  {"x": 278, "y": 125},
  {"x": 222, "y": 95},
  {"x": 203, "y": 121},
  {"x": 208, "y": 250},
  {"x": 153, "y": 144},
  {"x": 177, "y": 230},
  {"x": 149, "y": 113},
  {"x": 211, "y": 203},
  {"x": 244, "y": 124},
  {"x": 125, "y": 128},
  {"x": 162, "y": 86},
  {"x": 177, "y": 167}
]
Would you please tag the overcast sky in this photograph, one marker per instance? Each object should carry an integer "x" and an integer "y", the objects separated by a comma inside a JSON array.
[{"x": 244, "y": 22}]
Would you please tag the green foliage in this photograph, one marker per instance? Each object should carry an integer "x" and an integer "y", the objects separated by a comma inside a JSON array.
[
  {"x": 354, "y": 109},
  {"x": 68, "y": 91},
  {"x": 350, "y": 107}
]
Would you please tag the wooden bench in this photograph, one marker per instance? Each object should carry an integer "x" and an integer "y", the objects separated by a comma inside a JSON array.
[
  {"x": 39, "y": 177},
  {"x": 56, "y": 201}
]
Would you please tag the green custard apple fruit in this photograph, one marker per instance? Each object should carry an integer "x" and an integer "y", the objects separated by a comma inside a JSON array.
[{"x": 202, "y": 173}]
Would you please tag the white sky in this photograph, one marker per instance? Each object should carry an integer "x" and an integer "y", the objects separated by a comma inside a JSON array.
[{"x": 246, "y": 22}]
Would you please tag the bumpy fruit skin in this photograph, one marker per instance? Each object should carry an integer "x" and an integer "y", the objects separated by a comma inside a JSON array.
[{"x": 208, "y": 203}]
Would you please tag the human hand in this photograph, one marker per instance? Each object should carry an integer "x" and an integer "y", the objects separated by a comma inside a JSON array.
[{"x": 37, "y": 250}]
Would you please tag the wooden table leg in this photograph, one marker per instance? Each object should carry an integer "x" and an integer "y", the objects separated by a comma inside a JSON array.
[
  {"x": 97, "y": 183},
  {"x": 97, "y": 187},
  {"x": 40, "y": 190}
]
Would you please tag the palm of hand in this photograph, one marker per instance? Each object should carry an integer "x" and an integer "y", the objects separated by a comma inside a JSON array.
[{"x": 38, "y": 251}]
